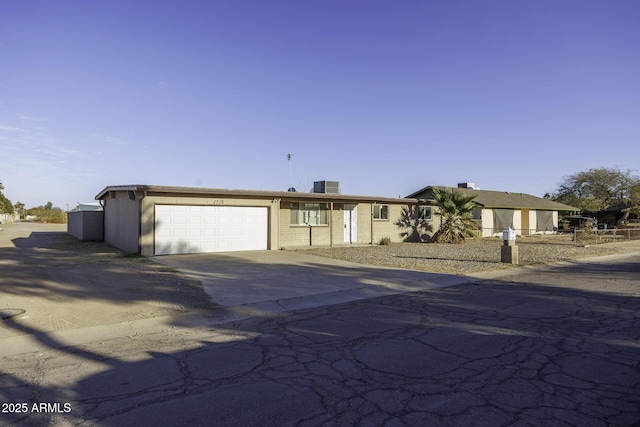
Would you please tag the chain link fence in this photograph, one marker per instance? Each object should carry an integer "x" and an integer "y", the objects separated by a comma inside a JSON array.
[
  {"x": 581, "y": 237},
  {"x": 575, "y": 236}
]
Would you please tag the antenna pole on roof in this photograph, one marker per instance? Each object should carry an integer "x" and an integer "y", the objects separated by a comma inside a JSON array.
[{"x": 289, "y": 158}]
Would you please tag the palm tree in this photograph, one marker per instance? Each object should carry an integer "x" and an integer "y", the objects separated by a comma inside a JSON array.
[{"x": 456, "y": 211}]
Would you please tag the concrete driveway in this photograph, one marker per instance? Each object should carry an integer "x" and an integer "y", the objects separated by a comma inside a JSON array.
[{"x": 274, "y": 281}]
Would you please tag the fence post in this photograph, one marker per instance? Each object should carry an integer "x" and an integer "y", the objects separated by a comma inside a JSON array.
[
  {"x": 629, "y": 233},
  {"x": 575, "y": 236}
]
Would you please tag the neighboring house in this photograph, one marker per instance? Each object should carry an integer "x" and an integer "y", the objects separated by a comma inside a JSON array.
[
  {"x": 157, "y": 220},
  {"x": 499, "y": 210},
  {"x": 615, "y": 215}
]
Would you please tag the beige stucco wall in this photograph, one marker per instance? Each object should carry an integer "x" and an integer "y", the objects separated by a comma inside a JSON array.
[
  {"x": 121, "y": 221},
  {"x": 517, "y": 221},
  {"x": 130, "y": 221},
  {"x": 386, "y": 227},
  {"x": 147, "y": 239},
  {"x": 390, "y": 229},
  {"x": 368, "y": 230},
  {"x": 487, "y": 222},
  {"x": 293, "y": 235}
]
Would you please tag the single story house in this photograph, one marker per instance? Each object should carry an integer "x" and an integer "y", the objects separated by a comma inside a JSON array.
[
  {"x": 499, "y": 210},
  {"x": 157, "y": 220}
]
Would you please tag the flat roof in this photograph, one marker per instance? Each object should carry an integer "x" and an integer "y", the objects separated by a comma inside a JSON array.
[{"x": 159, "y": 190}]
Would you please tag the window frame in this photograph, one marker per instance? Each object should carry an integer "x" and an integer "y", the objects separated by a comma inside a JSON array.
[
  {"x": 304, "y": 211},
  {"x": 422, "y": 210},
  {"x": 379, "y": 209}
]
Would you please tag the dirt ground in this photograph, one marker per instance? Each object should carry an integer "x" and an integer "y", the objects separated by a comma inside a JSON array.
[
  {"x": 50, "y": 281},
  {"x": 474, "y": 256}
]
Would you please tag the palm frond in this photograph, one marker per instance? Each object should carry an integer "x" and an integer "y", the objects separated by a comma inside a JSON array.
[{"x": 456, "y": 211}]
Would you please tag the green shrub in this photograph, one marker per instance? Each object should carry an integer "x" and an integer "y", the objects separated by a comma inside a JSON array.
[{"x": 385, "y": 241}]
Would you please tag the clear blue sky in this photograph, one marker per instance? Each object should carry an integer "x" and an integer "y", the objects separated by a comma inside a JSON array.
[{"x": 384, "y": 96}]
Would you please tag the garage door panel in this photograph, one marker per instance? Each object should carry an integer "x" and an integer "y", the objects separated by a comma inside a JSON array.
[
  {"x": 162, "y": 209},
  {"x": 176, "y": 209},
  {"x": 195, "y": 229},
  {"x": 178, "y": 232},
  {"x": 181, "y": 220}
]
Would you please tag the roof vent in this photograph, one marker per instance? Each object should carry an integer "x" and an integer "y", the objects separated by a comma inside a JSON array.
[
  {"x": 329, "y": 187},
  {"x": 469, "y": 185}
]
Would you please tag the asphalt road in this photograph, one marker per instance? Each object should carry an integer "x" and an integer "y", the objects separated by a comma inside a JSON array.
[{"x": 548, "y": 347}]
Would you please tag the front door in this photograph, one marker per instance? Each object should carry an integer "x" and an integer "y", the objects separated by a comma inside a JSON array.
[{"x": 350, "y": 223}]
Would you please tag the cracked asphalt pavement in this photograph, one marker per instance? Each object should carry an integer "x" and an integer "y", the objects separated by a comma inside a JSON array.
[{"x": 556, "y": 346}]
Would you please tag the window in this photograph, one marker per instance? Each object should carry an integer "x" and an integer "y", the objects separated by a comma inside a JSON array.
[
  {"x": 424, "y": 214},
  {"x": 380, "y": 211},
  {"x": 309, "y": 213}
]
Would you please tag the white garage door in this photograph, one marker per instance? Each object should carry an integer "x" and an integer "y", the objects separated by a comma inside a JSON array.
[{"x": 196, "y": 229}]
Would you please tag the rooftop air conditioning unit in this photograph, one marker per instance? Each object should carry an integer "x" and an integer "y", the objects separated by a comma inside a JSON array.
[
  {"x": 469, "y": 185},
  {"x": 329, "y": 187}
]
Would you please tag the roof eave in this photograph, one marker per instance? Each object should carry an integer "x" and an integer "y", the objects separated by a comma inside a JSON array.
[{"x": 189, "y": 191}]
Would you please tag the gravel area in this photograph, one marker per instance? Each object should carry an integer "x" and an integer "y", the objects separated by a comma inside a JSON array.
[{"x": 473, "y": 256}]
